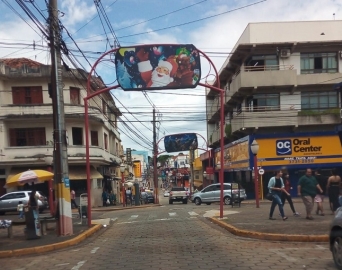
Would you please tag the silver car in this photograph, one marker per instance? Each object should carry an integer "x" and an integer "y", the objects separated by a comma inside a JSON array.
[
  {"x": 10, "y": 201},
  {"x": 335, "y": 238},
  {"x": 212, "y": 193}
]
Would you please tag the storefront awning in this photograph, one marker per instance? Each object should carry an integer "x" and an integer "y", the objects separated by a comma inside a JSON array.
[
  {"x": 80, "y": 173},
  {"x": 198, "y": 183}
]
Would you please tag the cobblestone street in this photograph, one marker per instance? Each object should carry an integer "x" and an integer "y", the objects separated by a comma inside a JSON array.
[{"x": 175, "y": 237}]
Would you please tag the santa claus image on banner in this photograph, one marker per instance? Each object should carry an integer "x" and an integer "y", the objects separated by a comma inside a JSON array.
[{"x": 161, "y": 76}]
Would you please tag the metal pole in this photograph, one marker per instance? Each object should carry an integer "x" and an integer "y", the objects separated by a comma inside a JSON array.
[
  {"x": 61, "y": 157},
  {"x": 86, "y": 127},
  {"x": 155, "y": 154},
  {"x": 123, "y": 189},
  {"x": 221, "y": 173},
  {"x": 256, "y": 184}
]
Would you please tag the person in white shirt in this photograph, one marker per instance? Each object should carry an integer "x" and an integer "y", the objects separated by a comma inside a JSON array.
[{"x": 20, "y": 209}]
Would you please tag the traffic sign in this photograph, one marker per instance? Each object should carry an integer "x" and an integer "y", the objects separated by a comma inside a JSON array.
[{"x": 261, "y": 171}]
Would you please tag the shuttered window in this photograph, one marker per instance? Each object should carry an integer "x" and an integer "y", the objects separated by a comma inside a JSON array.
[
  {"x": 27, "y": 136},
  {"x": 74, "y": 95},
  {"x": 27, "y": 95},
  {"x": 94, "y": 138}
]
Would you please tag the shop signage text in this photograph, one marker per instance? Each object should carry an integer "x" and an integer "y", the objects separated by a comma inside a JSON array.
[{"x": 287, "y": 147}]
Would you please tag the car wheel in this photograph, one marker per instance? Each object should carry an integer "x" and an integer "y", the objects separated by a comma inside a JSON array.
[
  {"x": 337, "y": 252},
  {"x": 208, "y": 203},
  {"x": 227, "y": 200},
  {"x": 170, "y": 202},
  {"x": 198, "y": 201}
]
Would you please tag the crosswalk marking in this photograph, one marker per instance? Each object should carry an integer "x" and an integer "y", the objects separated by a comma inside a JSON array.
[
  {"x": 193, "y": 214},
  {"x": 172, "y": 214},
  {"x": 133, "y": 217}
]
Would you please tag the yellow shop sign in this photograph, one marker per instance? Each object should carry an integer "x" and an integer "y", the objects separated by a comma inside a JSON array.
[{"x": 315, "y": 149}]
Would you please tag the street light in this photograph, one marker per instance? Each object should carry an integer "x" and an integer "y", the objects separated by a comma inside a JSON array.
[
  {"x": 48, "y": 162},
  {"x": 204, "y": 177},
  {"x": 122, "y": 170},
  {"x": 255, "y": 149}
]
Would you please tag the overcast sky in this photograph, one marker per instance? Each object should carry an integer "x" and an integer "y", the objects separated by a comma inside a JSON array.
[{"x": 213, "y": 26}]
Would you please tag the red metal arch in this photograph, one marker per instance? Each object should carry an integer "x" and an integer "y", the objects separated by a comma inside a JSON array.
[{"x": 91, "y": 95}]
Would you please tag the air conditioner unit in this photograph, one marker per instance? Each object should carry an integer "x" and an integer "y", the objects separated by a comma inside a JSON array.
[{"x": 285, "y": 53}]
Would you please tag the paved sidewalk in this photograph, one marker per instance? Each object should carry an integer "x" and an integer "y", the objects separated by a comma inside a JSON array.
[
  {"x": 253, "y": 222},
  {"x": 18, "y": 241}
]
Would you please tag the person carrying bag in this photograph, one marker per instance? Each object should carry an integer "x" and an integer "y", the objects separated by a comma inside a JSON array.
[{"x": 276, "y": 187}]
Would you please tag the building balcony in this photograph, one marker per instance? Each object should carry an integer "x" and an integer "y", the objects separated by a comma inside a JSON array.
[
  {"x": 214, "y": 137},
  {"x": 318, "y": 79},
  {"x": 330, "y": 116},
  {"x": 263, "y": 76},
  {"x": 13, "y": 111},
  {"x": 269, "y": 118},
  {"x": 28, "y": 155}
]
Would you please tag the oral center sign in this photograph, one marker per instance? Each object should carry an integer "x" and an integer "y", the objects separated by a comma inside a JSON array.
[{"x": 286, "y": 147}]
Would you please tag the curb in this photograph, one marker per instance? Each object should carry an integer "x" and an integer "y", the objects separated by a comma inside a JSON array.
[
  {"x": 270, "y": 236},
  {"x": 106, "y": 209},
  {"x": 46, "y": 248}
]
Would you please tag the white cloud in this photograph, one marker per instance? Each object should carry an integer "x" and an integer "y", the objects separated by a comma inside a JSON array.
[{"x": 76, "y": 11}]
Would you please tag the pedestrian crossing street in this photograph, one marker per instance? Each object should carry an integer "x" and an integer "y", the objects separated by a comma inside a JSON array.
[{"x": 167, "y": 215}]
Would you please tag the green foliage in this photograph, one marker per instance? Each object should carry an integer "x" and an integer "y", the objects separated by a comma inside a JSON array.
[
  {"x": 228, "y": 130},
  {"x": 317, "y": 113},
  {"x": 163, "y": 158}
]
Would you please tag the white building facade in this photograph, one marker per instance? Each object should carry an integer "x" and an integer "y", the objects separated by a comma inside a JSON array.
[{"x": 26, "y": 126}]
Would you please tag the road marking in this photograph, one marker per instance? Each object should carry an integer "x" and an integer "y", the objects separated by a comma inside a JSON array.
[
  {"x": 94, "y": 250},
  {"x": 213, "y": 213},
  {"x": 161, "y": 219},
  {"x": 172, "y": 214},
  {"x": 75, "y": 250},
  {"x": 193, "y": 214},
  {"x": 282, "y": 254},
  {"x": 78, "y": 265},
  {"x": 134, "y": 216},
  {"x": 113, "y": 219},
  {"x": 126, "y": 222},
  {"x": 62, "y": 264}
]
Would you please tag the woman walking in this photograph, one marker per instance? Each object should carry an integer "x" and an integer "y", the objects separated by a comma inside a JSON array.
[
  {"x": 333, "y": 186},
  {"x": 286, "y": 195},
  {"x": 276, "y": 187}
]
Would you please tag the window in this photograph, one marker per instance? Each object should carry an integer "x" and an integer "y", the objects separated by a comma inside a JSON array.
[
  {"x": 105, "y": 138},
  {"x": 75, "y": 95},
  {"x": 27, "y": 136},
  {"x": 94, "y": 138},
  {"x": 104, "y": 107},
  {"x": 117, "y": 149},
  {"x": 318, "y": 63},
  {"x": 77, "y": 136},
  {"x": 263, "y": 102},
  {"x": 319, "y": 100},
  {"x": 27, "y": 95},
  {"x": 262, "y": 63}
]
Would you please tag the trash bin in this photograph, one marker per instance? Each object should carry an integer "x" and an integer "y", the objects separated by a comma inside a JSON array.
[
  {"x": 83, "y": 211},
  {"x": 32, "y": 230}
]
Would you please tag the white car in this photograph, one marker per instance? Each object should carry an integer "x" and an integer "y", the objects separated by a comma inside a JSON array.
[{"x": 166, "y": 194}]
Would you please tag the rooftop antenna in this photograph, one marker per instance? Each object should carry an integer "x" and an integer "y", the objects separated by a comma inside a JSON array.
[{"x": 334, "y": 16}]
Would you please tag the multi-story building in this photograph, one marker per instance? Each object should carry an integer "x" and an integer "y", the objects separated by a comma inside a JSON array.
[
  {"x": 26, "y": 126},
  {"x": 279, "y": 89}
]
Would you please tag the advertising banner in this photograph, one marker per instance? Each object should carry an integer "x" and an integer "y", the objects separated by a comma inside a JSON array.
[
  {"x": 180, "y": 142},
  {"x": 236, "y": 155},
  {"x": 158, "y": 67},
  {"x": 137, "y": 169},
  {"x": 300, "y": 150}
]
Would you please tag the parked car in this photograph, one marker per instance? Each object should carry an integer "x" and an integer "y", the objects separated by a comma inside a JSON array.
[
  {"x": 166, "y": 193},
  {"x": 147, "y": 197},
  {"x": 335, "y": 238},
  {"x": 212, "y": 194},
  {"x": 9, "y": 201}
]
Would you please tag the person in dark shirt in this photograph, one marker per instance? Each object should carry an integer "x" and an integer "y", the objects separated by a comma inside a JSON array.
[
  {"x": 319, "y": 198},
  {"x": 286, "y": 195},
  {"x": 307, "y": 189}
]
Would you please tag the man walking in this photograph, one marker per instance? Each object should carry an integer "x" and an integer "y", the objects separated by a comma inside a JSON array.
[
  {"x": 307, "y": 189},
  {"x": 73, "y": 199}
]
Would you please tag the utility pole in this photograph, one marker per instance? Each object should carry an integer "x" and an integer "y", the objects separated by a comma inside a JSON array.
[
  {"x": 192, "y": 159},
  {"x": 61, "y": 174},
  {"x": 155, "y": 153}
]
